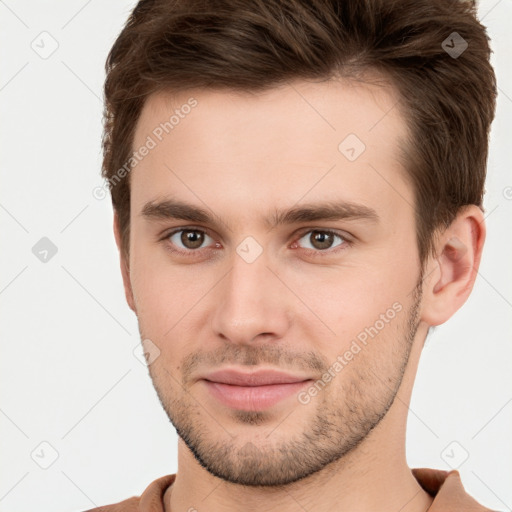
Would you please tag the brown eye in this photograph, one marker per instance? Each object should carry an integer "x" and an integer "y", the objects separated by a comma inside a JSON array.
[
  {"x": 320, "y": 240},
  {"x": 192, "y": 239},
  {"x": 188, "y": 239}
]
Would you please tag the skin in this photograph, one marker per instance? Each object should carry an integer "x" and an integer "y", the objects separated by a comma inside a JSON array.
[{"x": 241, "y": 156}]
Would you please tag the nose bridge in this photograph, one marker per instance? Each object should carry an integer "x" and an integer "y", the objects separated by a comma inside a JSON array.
[{"x": 249, "y": 302}]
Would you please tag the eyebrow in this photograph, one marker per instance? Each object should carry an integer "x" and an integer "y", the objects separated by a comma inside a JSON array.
[{"x": 168, "y": 209}]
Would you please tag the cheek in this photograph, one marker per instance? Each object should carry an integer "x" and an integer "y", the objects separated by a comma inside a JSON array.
[
  {"x": 168, "y": 297},
  {"x": 157, "y": 291},
  {"x": 348, "y": 301}
]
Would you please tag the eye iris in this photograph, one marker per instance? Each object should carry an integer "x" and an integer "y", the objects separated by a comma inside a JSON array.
[
  {"x": 321, "y": 240},
  {"x": 192, "y": 239}
]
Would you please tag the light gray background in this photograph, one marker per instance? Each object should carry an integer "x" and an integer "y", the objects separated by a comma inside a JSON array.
[{"x": 69, "y": 376}]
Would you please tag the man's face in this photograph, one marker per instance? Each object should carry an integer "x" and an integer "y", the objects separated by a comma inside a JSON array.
[{"x": 240, "y": 292}]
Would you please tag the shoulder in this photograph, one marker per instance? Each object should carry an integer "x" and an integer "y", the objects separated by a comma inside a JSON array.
[
  {"x": 448, "y": 491},
  {"x": 149, "y": 500}
]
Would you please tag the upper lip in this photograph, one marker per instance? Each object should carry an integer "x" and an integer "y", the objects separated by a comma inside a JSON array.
[{"x": 257, "y": 378}]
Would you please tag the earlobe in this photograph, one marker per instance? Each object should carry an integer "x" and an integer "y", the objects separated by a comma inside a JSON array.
[
  {"x": 459, "y": 250},
  {"x": 124, "y": 264}
]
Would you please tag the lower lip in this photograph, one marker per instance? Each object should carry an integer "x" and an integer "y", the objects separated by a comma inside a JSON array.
[{"x": 253, "y": 398}]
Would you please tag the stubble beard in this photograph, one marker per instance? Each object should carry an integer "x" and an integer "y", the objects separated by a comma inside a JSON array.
[{"x": 342, "y": 418}]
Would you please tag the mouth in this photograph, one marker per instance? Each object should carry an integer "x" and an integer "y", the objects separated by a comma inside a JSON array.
[{"x": 253, "y": 391}]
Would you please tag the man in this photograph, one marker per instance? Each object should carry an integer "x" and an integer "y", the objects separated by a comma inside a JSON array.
[{"x": 297, "y": 188}]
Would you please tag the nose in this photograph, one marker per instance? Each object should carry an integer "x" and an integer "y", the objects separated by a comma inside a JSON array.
[{"x": 251, "y": 303}]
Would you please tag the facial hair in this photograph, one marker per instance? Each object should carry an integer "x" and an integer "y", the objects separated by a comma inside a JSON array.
[{"x": 344, "y": 413}]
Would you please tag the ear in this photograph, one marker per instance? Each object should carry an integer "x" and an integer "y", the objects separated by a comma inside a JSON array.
[
  {"x": 125, "y": 265},
  {"x": 452, "y": 273}
]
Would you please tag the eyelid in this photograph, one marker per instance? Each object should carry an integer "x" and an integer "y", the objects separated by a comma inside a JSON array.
[
  {"x": 177, "y": 229},
  {"x": 342, "y": 234}
]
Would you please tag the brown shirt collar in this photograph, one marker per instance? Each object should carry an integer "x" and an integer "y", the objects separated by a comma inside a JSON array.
[{"x": 445, "y": 486}]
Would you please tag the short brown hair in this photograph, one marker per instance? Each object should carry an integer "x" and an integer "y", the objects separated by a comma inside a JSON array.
[{"x": 447, "y": 100}]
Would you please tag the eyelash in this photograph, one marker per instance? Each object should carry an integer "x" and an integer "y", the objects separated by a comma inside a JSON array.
[{"x": 346, "y": 242}]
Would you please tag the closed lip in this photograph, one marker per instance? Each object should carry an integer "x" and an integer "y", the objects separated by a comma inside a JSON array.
[{"x": 257, "y": 378}]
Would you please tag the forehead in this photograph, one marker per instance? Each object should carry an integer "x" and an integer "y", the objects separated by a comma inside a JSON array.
[{"x": 330, "y": 139}]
